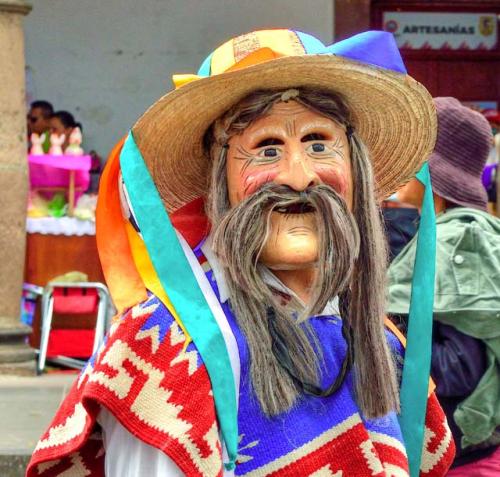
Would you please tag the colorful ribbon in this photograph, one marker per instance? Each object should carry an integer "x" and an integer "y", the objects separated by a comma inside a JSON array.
[
  {"x": 180, "y": 285},
  {"x": 417, "y": 362},
  {"x": 377, "y": 48}
]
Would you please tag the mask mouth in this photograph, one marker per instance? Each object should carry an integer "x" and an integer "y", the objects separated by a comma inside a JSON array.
[{"x": 296, "y": 208}]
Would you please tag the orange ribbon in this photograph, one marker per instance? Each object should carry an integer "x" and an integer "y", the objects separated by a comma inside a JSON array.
[{"x": 122, "y": 277}]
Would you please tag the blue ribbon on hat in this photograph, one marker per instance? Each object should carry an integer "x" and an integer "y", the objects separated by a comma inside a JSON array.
[{"x": 377, "y": 48}]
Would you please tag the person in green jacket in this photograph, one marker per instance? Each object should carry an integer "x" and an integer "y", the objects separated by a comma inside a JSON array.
[{"x": 466, "y": 333}]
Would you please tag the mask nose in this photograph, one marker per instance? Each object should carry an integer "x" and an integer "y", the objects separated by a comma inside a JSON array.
[{"x": 297, "y": 172}]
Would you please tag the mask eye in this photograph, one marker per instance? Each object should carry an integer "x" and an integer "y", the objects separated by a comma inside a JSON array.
[
  {"x": 270, "y": 141},
  {"x": 270, "y": 152},
  {"x": 268, "y": 149},
  {"x": 313, "y": 137},
  {"x": 319, "y": 149}
]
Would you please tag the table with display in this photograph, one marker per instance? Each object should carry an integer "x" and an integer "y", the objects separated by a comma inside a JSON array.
[{"x": 56, "y": 246}]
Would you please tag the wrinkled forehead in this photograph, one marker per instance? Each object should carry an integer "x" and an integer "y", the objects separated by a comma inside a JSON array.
[
  {"x": 292, "y": 117},
  {"x": 287, "y": 108}
]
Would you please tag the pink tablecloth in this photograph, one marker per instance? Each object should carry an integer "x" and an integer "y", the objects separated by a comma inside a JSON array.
[{"x": 53, "y": 171}]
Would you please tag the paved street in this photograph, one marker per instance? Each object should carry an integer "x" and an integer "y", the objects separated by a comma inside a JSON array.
[{"x": 26, "y": 407}]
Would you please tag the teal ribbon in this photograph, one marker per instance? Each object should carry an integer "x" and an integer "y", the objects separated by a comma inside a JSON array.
[
  {"x": 179, "y": 282},
  {"x": 416, "y": 370}
]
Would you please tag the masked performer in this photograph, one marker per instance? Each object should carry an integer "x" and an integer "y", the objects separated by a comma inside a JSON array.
[{"x": 240, "y": 235}]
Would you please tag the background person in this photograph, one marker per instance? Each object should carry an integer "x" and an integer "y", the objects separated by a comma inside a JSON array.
[
  {"x": 401, "y": 224},
  {"x": 39, "y": 121},
  {"x": 63, "y": 122},
  {"x": 466, "y": 343}
]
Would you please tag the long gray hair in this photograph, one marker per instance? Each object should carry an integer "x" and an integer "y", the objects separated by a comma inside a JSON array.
[{"x": 351, "y": 264}]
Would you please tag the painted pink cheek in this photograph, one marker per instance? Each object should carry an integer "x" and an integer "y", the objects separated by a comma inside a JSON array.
[
  {"x": 334, "y": 177},
  {"x": 255, "y": 179}
]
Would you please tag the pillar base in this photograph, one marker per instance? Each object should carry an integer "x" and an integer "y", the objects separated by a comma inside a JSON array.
[
  {"x": 15, "y": 6},
  {"x": 16, "y": 356}
]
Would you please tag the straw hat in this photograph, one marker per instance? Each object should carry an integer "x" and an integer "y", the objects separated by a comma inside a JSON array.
[{"x": 393, "y": 114}]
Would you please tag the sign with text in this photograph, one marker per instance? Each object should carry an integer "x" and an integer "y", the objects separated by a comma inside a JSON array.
[{"x": 442, "y": 31}]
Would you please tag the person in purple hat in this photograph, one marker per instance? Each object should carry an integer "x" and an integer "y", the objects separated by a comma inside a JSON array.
[{"x": 466, "y": 343}]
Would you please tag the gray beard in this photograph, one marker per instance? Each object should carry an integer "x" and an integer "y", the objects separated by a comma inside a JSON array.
[{"x": 238, "y": 240}]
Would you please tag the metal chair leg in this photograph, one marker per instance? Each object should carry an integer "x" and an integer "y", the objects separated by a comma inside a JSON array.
[
  {"x": 100, "y": 325},
  {"x": 47, "y": 311}
]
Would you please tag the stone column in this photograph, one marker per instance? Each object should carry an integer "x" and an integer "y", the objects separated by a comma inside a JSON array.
[{"x": 15, "y": 355}]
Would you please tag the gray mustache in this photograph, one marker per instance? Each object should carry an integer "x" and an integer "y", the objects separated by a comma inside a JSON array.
[{"x": 274, "y": 196}]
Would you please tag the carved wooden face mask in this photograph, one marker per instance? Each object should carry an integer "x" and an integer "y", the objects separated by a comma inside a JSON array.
[{"x": 295, "y": 147}]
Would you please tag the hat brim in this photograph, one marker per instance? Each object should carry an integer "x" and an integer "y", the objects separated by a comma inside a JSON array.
[
  {"x": 393, "y": 114},
  {"x": 456, "y": 185}
]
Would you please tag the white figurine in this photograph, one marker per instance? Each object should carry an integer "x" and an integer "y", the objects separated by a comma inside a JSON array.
[
  {"x": 56, "y": 143},
  {"x": 37, "y": 141},
  {"x": 75, "y": 140}
]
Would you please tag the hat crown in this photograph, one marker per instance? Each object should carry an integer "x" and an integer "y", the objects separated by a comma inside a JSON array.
[
  {"x": 464, "y": 135},
  {"x": 461, "y": 151},
  {"x": 279, "y": 42}
]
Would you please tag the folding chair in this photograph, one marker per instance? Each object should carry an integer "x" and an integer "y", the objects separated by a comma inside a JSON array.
[{"x": 73, "y": 299}]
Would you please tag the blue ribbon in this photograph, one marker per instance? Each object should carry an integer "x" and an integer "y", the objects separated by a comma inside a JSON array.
[
  {"x": 377, "y": 48},
  {"x": 416, "y": 370},
  {"x": 205, "y": 68},
  {"x": 181, "y": 286}
]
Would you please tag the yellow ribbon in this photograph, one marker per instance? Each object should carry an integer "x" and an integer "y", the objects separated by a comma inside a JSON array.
[
  {"x": 149, "y": 276},
  {"x": 181, "y": 80}
]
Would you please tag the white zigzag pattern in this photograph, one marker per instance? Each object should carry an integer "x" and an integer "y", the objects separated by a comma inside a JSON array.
[
  {"x": 176, "y": 334},
  {"x": 391, "y": 470},
  {"x": 114, "y": 326},
  {"x": 143, "y": 309},
  {"x": 72, "y": 427},
  {"x": 153, "y": 333},
  {"x": 371, "y": 457},
  {"x": 430, "y": 459},
  {"x": 387, "y": 440},
  {"x": 153, "y": 404},
  {"x": 190, "y": 356},
  {"x": 279, "y": 464}
]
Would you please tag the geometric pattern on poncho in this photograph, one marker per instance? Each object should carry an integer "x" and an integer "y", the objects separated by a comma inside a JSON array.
[{"x": 160, "y": 391}]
